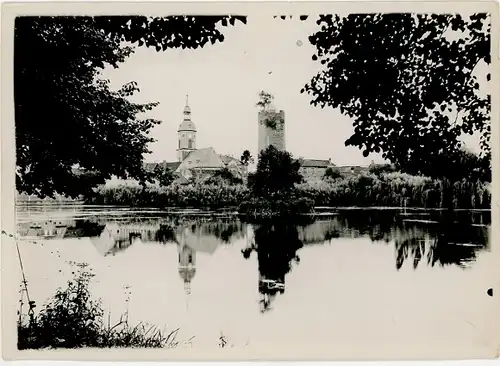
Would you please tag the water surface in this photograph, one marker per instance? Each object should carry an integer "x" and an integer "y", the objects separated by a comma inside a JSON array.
[{"x": 343, "y": 278}]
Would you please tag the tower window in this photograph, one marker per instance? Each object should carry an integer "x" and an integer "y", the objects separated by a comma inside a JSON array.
[{"x": 190, "y": 144}]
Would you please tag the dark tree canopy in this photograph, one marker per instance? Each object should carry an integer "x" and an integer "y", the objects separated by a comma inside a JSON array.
[
  {"x": 164, "y": 176},
  {"x": 408, "y": 85},
  {"x": 66, "y": 116},
  {"x": 277, "y": 172},
  {"x": 379, "y": 169},
  {"x": 246, "y": 158},
  {"x": 224, "y": 175}
]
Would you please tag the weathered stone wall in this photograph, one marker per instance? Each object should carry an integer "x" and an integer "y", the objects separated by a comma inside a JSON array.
[{"x": 271, "y": 136}]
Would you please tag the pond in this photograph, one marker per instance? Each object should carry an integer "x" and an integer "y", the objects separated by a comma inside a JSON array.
[{"x": 344, "y": 278}]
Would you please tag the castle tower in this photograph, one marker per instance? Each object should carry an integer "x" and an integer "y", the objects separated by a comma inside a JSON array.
[
  {"x": 271, "y": 135},
  {"x": 186, "y": 134}
]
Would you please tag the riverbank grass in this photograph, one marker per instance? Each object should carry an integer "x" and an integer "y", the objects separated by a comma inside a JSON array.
[{"x": 72, "y": 319}]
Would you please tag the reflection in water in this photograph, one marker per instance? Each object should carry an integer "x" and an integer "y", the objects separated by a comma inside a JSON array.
[
  {"x": 187, "y": 265},
  {"x": 276, "y": 244},
  {"x": 419, "y": 238}
]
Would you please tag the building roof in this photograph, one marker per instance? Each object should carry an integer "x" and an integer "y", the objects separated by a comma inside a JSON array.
[
  {"x": 164, "y": 164},
  {"x": 315, "y": 163},
  {"x": 203, "y": 158},
  {"x": 226, "y": 159},
  {"x": 187, "y": 125}
]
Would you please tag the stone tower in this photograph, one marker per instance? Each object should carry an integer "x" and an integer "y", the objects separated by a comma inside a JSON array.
[
  {"x": 268, "y": 135},
  {"x": 186, "y": 134}
]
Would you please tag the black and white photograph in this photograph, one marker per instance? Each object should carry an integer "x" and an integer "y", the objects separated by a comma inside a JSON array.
[{"x": 250, "y": 181}]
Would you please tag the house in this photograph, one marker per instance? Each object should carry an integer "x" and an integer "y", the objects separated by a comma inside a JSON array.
[
  {"x": 351, "y": 170},
  {"x": 314, "y": 169}
]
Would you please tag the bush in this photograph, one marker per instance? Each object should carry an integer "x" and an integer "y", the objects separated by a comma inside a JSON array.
[
  {"x": 71, "y": 319},
  {"x": 276, "y": 206},
  {"x": 396, "y": 190},
  {"x": 365, "y": 190}
]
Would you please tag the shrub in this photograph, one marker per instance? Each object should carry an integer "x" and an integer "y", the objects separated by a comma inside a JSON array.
[
  {"x": 387, "y": 189},
  {"x": 396, "y": 190},
  {"x": 71, "y": 319},
  {"x": 198, "y": 195}
]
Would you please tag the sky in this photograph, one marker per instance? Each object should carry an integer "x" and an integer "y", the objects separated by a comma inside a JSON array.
[{"x": 223, "y": 82}]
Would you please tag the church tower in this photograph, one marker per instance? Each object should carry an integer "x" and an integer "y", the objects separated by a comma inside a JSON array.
[{"x": 186, "y": 134}]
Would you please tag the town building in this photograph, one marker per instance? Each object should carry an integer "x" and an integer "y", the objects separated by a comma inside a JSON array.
[
  {"x": 352, "y": 170},
  {"x": 193, "y": 163},
  {"x": 314, "y": 169}
]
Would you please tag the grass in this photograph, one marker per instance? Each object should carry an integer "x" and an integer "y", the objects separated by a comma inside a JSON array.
[{"x": 72, "y": 319}]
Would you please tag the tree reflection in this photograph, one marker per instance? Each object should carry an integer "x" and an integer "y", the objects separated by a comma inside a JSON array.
[
  {"x": 421, "y": 237},
  {"x": 276, "y": 244}
]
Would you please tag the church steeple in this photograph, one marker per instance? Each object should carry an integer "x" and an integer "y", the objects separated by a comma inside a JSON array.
[
  {"x": 187, "y": 109},
  {"x": 186, "y": 134}
]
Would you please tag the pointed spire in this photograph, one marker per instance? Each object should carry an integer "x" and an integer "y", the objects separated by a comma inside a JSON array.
[{"x": 187, "y": 109}]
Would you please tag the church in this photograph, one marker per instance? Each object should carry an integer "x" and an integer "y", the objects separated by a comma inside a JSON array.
[{"x": 197, "y": 163}]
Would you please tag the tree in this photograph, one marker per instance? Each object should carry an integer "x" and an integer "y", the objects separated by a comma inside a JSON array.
[
  {"x": 246, "y": 158},
  {"x": 277, "y": 173},
  {"x": 265, "y": 100},
  {"x": 164, "y": 176},
  {"x": 408, "y": 83},
  {"x": 272, "y": 117},
  {"x": 331, "y": 173},
  {"x": 224, "y": 175},
  {"x": 379, "y": 169},
  {"x": 65, "y": 115}
]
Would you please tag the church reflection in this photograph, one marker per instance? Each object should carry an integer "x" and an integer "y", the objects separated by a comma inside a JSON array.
[{"x": 187, "y": 265}]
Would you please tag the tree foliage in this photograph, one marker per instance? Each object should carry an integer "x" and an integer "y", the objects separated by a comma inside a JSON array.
[
  {"x": 379, "y": 169},
  {"x": 408, "y": 83},
  {"x": 265, "y": 100},
  {"x": 272, "y": 118},
  {"x": 331, "y": 173},
  {"x": 224, "y": 175},
  {"x": 66, "y": 115},
  {"x": 246, "y": 158},
  {"x": 164, "y": 176},
  {"x": 277, "y": 173}
]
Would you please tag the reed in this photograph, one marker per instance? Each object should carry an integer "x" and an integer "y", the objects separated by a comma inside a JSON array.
[
  {"x": 396, "y": 190},
  {"x": 391, "y": 189},
  {"x": 198, "y": 195}
]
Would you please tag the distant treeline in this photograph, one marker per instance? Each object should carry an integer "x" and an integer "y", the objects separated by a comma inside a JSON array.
[{"x": 365, "y": 190}]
